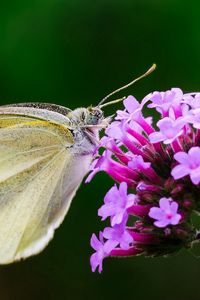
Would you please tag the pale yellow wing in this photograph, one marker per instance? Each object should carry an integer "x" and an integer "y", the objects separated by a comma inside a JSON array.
[{"x": 39, "y": 176}]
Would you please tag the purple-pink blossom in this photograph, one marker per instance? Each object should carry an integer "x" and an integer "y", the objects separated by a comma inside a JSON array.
[
  {"x": 116, "y": 203},
  {"x": 189, "y": 164},
  {"x": 169, "y": 131},
  {"x": 194, "y": 117},
  {"x": 117, "y": 235},
  {"x": 97, "y": 257},
  {"x": 156, "y": 172},
  {"x": 137, "y": 163},
  {"x": 164, "y": 101},
  {"x": 192, "y": 99},
  {"x": 166, "y": 214},
  {"x": 99, "y": 164},
  {"x": 132, "y": 110}
]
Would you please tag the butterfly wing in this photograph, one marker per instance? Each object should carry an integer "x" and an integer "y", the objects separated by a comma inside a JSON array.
[
  {"x": 40, "y": 106},
  {"x": 43, "y": 111},
  {"x": 39, "y": 176}
]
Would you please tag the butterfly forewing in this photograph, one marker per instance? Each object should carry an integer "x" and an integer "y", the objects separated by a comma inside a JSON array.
[
  {"x": 44, "y": 111},
  {"x": 39, "y": 176}
]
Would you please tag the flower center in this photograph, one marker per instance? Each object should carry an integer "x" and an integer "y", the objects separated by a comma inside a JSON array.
[
  {"x": 169, "y": 133},
  {"x": 169, "y": 215}
]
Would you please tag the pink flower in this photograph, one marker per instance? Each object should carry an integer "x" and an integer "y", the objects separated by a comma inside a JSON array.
[
  {"x": 169, "y": 130},
  {"x": 138, "y": 162},
  {"x": 149, "y": 208},
  {"x": 192, "y": 99},
  {"x": 163, "y": 101},
  {"x": 115, "y": 130},
  {"x": 166, "y": 214},
  {"x": 99, "y": 164},
  {"x": 132, "y": 112},
  {"x": 194, "y": 117},
  {"x": 97, "y": 257},
  {"x": 118, "y": 235},
  {"x": 189, "y": 164},
  {"x": 116, "y": 204}
]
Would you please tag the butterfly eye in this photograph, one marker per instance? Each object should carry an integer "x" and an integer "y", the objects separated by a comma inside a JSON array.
[
  {"x": 92, "y": 120},
  {"x": 94, "y": 117}
]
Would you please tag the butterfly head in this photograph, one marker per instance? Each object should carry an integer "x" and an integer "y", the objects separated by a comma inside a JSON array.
[
  {"x": 87, "y": 117},
  {"x": 86, "y": 124},
  {"x": 93, "y": 116}
]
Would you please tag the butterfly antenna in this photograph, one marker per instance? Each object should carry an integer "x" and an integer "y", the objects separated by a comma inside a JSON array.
[
  {"x": 112, "y": 102},
  {"x": 149, "y": 71}
]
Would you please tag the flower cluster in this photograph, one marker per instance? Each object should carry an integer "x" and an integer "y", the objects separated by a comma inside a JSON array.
[{"x": 157, "y": 170}]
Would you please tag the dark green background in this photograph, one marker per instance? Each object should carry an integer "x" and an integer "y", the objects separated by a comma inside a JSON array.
[{"x": 73, "y": 52}]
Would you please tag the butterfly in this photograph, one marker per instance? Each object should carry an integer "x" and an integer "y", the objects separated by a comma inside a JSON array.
[{"x": 45, "y": 152}]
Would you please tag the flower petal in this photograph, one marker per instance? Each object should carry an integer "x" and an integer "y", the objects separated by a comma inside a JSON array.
[
  {"x": 94, "y": 262},
  {"x": 161, "y": 224},
  {"x": 174, "y": 207},
  {"x": 95, "y": 243},
  {"x": 180, "y": 171},
  {"x": 194, "y": 154},
  {"x": 182, "y": 158},
  {"x": 110, "y": 245},
  {"x": 118, "y": 218},
  {"x": 195, "y": 176},
  {"x": 175, "y": 220},
  {"x": 165, "y": 203},
  {"x": 131, "y": 104},
  {"x": 156, "y": 213},
  {"x": 156, "y": 137}
]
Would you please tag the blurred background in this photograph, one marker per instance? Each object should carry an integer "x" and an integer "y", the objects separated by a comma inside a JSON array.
[{"x": 74, "y": 52}]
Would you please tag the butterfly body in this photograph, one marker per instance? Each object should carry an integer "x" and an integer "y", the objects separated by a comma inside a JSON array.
[{"x": 45, "y": 151}]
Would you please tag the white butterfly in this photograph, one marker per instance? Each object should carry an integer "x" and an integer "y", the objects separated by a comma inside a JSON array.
[{"x": 45, "y": 151}]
